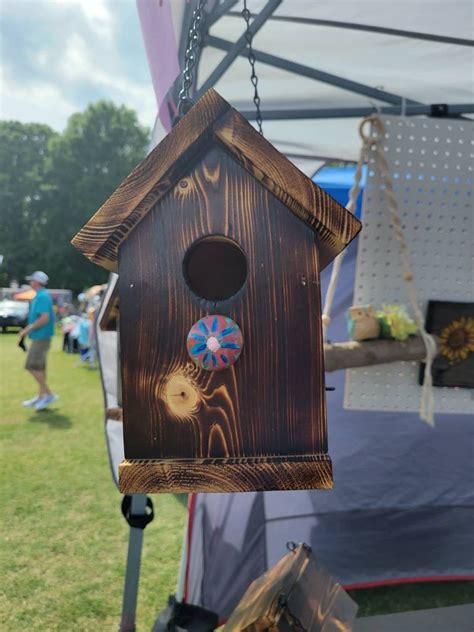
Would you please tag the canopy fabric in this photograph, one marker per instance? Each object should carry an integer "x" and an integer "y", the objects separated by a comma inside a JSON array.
[{"x": 348, "y": 55}]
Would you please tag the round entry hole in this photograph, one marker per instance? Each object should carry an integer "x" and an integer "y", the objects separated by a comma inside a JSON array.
[{"x": 215, "y": 267}]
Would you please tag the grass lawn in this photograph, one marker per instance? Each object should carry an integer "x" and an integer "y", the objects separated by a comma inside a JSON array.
[
  {"x": 64, "y": 541},
  {"x": 63, "y": 538}
]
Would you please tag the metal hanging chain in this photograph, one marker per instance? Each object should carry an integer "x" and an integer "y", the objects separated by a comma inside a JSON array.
[
  {"x": 190, "y": 58},
  {"x": 253, "y": 77}
]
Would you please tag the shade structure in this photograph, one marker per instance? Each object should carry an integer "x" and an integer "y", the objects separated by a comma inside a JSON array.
[
  {"x": 401, "y": 508},
  {"x": 320, "y": 65}
]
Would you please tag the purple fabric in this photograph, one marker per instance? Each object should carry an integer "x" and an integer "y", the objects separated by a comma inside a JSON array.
[{"x": 162, "y": 53}]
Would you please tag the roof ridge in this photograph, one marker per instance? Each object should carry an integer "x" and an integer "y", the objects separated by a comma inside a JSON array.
[{"x": 212, "y": 119}]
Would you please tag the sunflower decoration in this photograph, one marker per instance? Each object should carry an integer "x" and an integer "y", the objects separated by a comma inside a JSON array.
[{"x": 457, "y": 339}]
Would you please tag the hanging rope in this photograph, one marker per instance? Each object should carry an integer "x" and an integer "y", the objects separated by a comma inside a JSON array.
[
  {"x": 371, "y": 142},
  {"x": 336, "y": 267}
]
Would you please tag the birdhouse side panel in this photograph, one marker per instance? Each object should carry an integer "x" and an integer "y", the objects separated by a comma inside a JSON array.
[{"x": 271, "y": 402}]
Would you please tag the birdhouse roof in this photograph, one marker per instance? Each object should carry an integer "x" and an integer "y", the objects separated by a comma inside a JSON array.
[{"x": 213, "y": 120}]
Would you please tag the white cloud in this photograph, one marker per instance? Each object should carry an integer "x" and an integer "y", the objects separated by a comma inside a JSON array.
[
  {"x": 99, "y": 15},
  {"x": 40, "y": 102},
  {"x": 79, "y": 51}
]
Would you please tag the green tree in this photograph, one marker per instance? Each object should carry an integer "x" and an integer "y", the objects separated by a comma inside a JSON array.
[
  {"x": 97, "y": 150},
  {"x": 23, "y": 186},
  {"x": 51, "y": 184}
]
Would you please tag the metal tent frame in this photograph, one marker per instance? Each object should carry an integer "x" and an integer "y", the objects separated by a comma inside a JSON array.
[
  {"x": 395, "y": 103},
  {"x": 387, "y": 103}
]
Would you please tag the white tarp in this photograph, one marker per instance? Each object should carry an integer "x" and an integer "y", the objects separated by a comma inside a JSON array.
[{"x": 416, "y": 69}]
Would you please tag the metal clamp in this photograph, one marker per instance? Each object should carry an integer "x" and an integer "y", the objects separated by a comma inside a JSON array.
[
  {"x": 138, "y": 521},
  {"x": 439, "y": 110}
]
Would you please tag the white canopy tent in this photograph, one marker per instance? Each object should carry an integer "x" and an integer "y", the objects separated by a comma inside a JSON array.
[{"x": 323, "y": 65}]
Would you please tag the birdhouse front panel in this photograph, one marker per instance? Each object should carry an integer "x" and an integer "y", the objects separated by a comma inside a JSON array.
[
  {"x": 222, "y": 357},
  {"x": 219, "y": 241}
]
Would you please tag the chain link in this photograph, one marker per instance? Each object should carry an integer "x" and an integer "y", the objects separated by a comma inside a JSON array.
[
  {"x": 190, "y": 58},
  {"x": 253, "y": 77}
]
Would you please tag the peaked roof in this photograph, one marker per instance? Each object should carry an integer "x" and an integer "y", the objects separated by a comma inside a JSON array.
[{"x": 212, "y": 119}]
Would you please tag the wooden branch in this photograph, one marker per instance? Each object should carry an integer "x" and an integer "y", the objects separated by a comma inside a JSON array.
[{"x": 349, "y": 355}]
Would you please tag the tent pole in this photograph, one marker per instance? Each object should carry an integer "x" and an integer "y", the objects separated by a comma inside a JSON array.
[
  {"x": 451, "y": 110},
  {"x": 220, "y": 10},
  {"x": 239, "y": 48},
  {"x": 132, "y": 573},
  {"x": 352, "y": 26},
  {"x": 307, "y": 71}
]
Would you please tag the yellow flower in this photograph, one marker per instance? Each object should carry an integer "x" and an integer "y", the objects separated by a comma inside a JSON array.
[
  {"x": 396, "y": 323},
  {"x": 457, "y": 339}
]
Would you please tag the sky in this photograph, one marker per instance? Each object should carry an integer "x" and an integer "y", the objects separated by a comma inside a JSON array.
[{"x": 59, "y": 55}]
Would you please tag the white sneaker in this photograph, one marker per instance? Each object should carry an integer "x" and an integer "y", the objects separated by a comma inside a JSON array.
[
  {"x": 30, "y": 403},
  {"x": 45, "y": 401}
]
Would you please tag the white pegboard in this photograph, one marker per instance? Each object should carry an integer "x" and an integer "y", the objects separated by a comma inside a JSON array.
[{"x": 431, "y": 165}]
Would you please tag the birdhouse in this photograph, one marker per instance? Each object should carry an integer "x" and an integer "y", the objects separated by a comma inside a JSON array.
[{"x": 218, "y": 241}]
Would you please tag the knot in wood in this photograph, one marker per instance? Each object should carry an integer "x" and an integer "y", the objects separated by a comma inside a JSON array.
[{"x": 181, "y": 396}]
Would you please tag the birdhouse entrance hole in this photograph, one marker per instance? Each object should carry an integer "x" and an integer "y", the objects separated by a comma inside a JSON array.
[{"x": 215, "y": 267}]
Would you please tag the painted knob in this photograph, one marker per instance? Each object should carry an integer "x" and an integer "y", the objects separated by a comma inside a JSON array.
[{"x": 215, "y": 343}]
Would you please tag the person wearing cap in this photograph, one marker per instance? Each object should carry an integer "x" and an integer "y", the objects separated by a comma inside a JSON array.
[{"x": 40, "y": 330}]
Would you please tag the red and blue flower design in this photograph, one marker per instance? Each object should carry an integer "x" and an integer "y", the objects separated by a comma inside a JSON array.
[{"x": 214, "y": 343}]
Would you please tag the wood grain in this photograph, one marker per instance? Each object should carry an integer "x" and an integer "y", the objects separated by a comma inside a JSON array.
[
  {"x": 259, "y": 609},
  {"x": 225, "y": 475},
  {"x": 271, "y": 403},
  {"x": 333, "y": 224},
  {"x": 297, "y": 593},
  {"x": 99, "y": 239},
  {"x": 212, "y": 119}
]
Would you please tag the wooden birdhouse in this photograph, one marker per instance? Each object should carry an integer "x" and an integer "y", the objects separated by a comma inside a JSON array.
[{"x": 219, "y": 241}]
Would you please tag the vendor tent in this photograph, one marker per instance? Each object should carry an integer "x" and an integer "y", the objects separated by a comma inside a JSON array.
[
  {"x": 401, "y": 509},
  {"x": 321, "y": 66},
  {"x": 382, "y": 523}
]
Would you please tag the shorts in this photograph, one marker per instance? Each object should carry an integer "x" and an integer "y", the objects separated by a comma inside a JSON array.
[{"x": 36, "y": 358}]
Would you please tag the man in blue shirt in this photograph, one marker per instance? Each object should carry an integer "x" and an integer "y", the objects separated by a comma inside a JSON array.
[{"x": 40, "y": 330}]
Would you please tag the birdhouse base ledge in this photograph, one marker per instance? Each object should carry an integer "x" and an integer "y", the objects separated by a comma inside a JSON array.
[{"x": 142, "y": 476}]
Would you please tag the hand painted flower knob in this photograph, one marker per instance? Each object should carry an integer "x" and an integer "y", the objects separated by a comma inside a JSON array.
[{"x": 214, "y": 343}]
